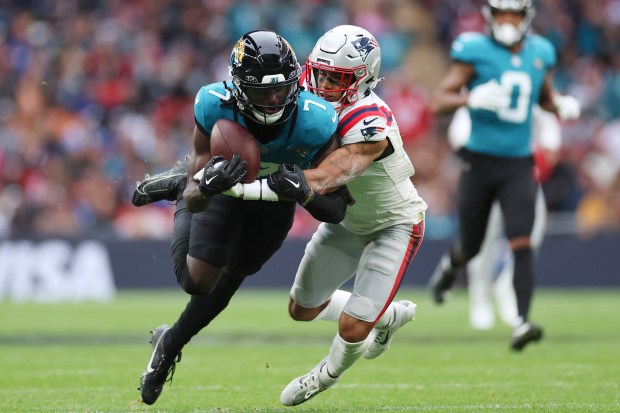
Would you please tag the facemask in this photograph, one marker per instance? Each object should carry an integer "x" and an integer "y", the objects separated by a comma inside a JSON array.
[{"x": 506, "y": 34}]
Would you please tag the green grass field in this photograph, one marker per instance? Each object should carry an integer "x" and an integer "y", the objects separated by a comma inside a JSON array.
[{"x": 88, "y": 358}]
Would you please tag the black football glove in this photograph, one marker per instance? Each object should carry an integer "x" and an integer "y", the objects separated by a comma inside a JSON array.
[
  {"x": 289, "y": 182},
  {"x": 220, "y": 174}
]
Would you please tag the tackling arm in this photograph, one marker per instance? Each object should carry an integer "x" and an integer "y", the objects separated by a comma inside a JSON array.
[
  {"x": 343, "y": 165},
  {"x": 334, "y": 143}
]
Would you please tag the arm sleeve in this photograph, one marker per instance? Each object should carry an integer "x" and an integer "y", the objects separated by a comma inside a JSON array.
[{"x": 330, "y": 207}]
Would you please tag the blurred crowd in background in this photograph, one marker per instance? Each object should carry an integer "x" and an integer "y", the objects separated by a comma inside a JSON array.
[{"x": 96, "y": 93}]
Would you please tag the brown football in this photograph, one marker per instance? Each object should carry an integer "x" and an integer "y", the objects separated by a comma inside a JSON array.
[{"x": 229, "y": 138}]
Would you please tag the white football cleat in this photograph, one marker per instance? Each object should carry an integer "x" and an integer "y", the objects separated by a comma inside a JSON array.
[
  {"x": 381, "y": 337},
  {"x": 307, "y": 386}
]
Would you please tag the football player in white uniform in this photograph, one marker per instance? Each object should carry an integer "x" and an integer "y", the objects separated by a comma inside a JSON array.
[
  {"x": 381, "y": 232},
  {"x": 489, "y": 274}
]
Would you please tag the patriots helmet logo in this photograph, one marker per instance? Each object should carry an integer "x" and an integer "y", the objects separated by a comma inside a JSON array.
[
  {"x": 364, "y": 46},
  {"x": 371, "y": 131}
]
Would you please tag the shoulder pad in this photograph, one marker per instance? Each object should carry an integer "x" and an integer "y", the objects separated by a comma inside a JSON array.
[
  {"x": 207, "y": 104},
  {"x": 469, "y": 46},
  {"x": 316, "y": 113},
  {"x": 544, "y": 49}
]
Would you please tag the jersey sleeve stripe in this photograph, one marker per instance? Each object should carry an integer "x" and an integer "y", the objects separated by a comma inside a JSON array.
[
  {"x": 388, "y": 115},
  {"x": 417, "y": 235},
  {"x": 351, "y": 118}
]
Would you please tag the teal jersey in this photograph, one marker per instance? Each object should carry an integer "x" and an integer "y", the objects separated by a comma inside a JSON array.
[
  {"x": 315, "y": 124},
  {"x": 507, "y": 132}
]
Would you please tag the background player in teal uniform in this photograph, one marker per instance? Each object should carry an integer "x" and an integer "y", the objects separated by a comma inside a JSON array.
[
  {"x": 506, "y": 73},
  {"x": 224, "y": 239}
]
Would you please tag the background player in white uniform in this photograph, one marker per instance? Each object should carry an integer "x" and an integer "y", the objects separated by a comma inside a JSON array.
[
  {"x": 506, "y": 74},
  {"x": 380, "y": 233},
  {"x": 489, "y": 274}
]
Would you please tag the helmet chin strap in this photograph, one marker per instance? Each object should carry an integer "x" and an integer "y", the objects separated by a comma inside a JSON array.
[{"x": 375, "y": 83}]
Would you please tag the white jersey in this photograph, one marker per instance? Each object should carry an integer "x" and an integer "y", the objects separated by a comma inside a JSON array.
[{"x": 384, "y": 194}]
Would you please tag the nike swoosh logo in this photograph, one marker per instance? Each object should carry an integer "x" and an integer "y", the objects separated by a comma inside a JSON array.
[
  {"x": 295, "y": 184},
  {"x": 149, "y": 368},
  {"x": 365, "y": 122},
  {"x": 148, "y": 184},
  {"x": 208, "y": 181},
  {"x": 385, "y": 339}
]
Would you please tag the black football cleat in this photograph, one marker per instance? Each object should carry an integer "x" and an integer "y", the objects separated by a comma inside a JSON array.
[
  {"x": 159, "y": 367},
  {"x": 443, "y": 279},
  {"x": 163, "y": 186},
  {"x": 524, "y": 334}
]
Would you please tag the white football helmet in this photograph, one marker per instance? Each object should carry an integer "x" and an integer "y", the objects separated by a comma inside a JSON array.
[
  {"x": 506, "y": 33},
  {"x": 350, "y": 58}
]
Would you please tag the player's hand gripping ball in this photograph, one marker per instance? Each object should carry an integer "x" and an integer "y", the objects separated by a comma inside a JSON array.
[{"x": 220, "y": 174}]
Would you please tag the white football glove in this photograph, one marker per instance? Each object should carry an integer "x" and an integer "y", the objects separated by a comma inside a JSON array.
[
  {"x": 489, "y": 96},
  {"x": 568, "y": 107}
]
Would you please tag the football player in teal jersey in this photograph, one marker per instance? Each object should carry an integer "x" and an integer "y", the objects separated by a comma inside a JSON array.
[
  {"x": 505, "y": 73},
  {"x": 219, "y": 240},
  {"x": 379, "y": 236}
]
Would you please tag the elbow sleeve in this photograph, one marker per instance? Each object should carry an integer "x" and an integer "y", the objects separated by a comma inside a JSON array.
[{"x": 331, "y": 207}]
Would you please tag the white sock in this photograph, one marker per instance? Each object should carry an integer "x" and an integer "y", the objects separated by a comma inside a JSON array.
[
  {"x": 343, "y": 355},
  {"x": 388, "y": 317},
  {"x": 334, "y": 308},
  {"x": 517, "y": 322}
]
